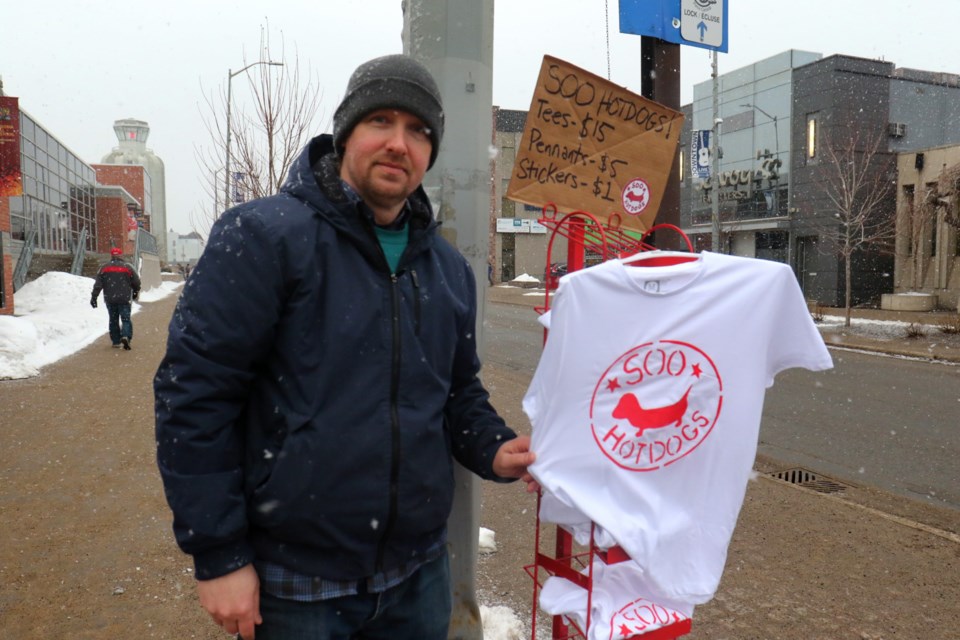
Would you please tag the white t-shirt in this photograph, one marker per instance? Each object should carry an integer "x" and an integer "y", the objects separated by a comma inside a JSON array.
[
  {"x": 619, "y": 603},
  {"x": 647, "y": 399}
]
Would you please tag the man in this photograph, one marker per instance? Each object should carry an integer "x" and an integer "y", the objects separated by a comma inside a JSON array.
[
  {"x": 321, "y": 370},
  {"x": 119, "y": 283}
]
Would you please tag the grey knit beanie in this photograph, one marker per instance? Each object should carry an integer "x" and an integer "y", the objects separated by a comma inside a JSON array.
[{"x": 390, "y": 82}]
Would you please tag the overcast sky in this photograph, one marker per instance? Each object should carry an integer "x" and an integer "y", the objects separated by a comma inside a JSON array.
[{"x": 78, "y": 66}]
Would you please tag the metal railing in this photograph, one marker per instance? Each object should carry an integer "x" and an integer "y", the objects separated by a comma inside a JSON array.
[
  {"x": 145, "y": 242},
  {"x": 23, "y": 262},
  {"x": 79, "y": 253}
]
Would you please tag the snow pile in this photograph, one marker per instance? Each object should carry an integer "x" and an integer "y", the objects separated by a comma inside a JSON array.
[
  {"x": 53, "y": 320},
  {"x": 488, "y": 541},
  {"x": 501, "y": 623}
]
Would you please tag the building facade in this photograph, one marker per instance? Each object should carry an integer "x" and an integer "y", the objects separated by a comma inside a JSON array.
[
  {"x": 57, "y": 198},
  {"x": 136, "y": 181},
  {"x": 928, "y": 225},
  {"x": 54, "y": 206},
  {"x": 47, "y": 195},
  {"x": 518, "y": 243},
  {"x": 116, "y": 225},
  {"x": 184, "y": 251},
  {"x": 132, "y": 150},
  {"x": 780, "y": 125}
]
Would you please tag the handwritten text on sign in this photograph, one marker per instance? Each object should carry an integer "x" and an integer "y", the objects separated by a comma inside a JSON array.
[{"x": 591, "y": 145}]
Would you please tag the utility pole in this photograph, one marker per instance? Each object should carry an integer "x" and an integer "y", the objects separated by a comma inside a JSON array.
[
  {"x": 454, "y": 40},
  {"x": 715, "y": 161}
]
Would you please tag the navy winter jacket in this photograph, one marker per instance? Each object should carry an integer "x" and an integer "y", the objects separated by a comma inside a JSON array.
[{"x": 309, "y": 400}]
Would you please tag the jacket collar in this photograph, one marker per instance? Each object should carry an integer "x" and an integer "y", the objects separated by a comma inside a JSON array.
[{"x": 315, "y": 177}]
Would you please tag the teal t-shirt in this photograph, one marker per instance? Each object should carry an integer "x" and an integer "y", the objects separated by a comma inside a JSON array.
[{"x": 393, "y": 242}]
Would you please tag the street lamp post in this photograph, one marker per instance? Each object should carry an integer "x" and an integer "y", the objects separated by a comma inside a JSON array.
[
  {"x": 230, "y": 74},
  {"x": 776, "y": 133},
  {"x": 776, "y": 141}
]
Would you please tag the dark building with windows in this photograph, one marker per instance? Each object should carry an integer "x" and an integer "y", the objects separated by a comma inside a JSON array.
[{"x": 786, "y": 127}]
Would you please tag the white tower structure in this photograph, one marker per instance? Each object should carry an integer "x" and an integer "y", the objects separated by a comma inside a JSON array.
[{"x": 132, "y": 136}]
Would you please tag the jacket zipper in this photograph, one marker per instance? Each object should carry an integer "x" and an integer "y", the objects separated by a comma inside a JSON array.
[
  {"x": 394, "y": 422},
  {"x": 416, "y": 302}
]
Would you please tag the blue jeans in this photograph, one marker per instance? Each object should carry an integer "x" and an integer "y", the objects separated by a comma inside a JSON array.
[
  {"x": 417, "y": 609},
  {"x": 120, "y": 313}
]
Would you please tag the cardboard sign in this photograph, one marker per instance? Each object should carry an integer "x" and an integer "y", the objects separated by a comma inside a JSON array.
[{"x": 590, "y": 145}]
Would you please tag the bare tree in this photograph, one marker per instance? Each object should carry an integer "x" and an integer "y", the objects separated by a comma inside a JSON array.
[
  {"x": 265, "y": 137},
  {"x": 948, "y": 195},
  {"x": 858, "y": 185}
]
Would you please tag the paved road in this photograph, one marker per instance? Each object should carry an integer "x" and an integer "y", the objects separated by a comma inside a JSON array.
[
  {"x": 873, "y": 420},
  {"x": 886, "y": 422}
]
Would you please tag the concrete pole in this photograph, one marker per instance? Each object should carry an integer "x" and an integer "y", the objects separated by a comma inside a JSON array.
[
  {"x": 454, "y": 39},
  {"x": 715, "y": 162}
]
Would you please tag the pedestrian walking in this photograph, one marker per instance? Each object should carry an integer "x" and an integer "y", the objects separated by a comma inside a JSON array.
[
  {"x": 120, "y": 284},
  {"x": 320, "y": 378}
]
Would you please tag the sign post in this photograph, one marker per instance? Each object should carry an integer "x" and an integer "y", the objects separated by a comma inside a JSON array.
[{"x": 666, "y": 24}]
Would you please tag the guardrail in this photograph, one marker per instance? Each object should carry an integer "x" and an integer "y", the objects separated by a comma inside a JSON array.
[{"x": 145, "y": 242}]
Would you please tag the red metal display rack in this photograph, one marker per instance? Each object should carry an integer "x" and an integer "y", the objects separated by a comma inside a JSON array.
[
  {"x": 578, "y": 568},
  {"x": 584, "y": 232}
]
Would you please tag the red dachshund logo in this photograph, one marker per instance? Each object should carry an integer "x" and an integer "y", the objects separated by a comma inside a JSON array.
[
  {"x": 635, "y": 196},
  {"x": 629, "y": 408},
  {"x": 636, "y": 418}
]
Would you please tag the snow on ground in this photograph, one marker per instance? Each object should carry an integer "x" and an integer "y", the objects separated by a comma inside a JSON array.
[
  {"x": 501, "y": 623},
  {"x": 488, "y": 541}
]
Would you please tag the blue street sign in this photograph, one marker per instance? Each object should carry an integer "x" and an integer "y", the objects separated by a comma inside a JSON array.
[{"x": 697, "y": 23}]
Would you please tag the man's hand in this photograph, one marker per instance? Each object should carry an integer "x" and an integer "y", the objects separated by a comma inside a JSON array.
[
  {"x": 136, "y": 295},
  {"x": 512, "y": 459},
  {"x": 233, "y": 601},
  {"x": 93, "y": 302}
]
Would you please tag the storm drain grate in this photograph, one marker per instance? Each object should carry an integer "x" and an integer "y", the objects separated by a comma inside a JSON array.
[{"x": 810, "y": 480}]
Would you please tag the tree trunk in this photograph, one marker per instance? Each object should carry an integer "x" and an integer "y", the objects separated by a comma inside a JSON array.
[{"x": 846, "y": 293}]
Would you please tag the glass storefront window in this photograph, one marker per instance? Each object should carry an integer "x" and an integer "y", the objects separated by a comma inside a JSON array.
[
  {"x": 772, "y": 245},
  {"x": 27, "y": 128},
  {"x": 18, "y": 222},
  {"x": 57, "y": 196}
]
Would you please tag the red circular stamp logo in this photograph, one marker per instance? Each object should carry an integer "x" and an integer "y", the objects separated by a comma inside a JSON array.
[
  {"x": 635, "y": 197},
  {"x": 655, "y": 404},
  {"x": 642, "y": 616}
]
